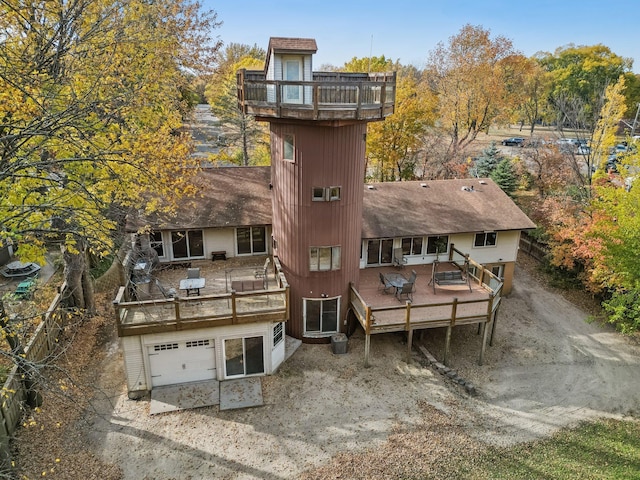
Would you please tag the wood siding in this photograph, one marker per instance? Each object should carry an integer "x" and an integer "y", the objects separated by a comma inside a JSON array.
[{"x": 324, "y": 157}]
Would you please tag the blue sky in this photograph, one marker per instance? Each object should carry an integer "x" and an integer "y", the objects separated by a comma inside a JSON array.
[{"x": 408, "y": 30}]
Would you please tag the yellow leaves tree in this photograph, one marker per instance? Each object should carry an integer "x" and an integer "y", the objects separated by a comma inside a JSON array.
[
  {"x": 90, "y": 119},
  {"x": 246, "y": 140},
  {"x": 395, "y": 145},
  {"x": 470, "y": 76}
]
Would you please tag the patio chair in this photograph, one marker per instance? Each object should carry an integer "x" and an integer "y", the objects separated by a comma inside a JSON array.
[
  {"x": 193, "y": 273},
  {"x": 412, "y": 278},
  {"x": 398, "y": 258},
  {"x": 407, "y": 290},
  {"x": 166, "y": 292},
  {"x": 386, "y": 286}
]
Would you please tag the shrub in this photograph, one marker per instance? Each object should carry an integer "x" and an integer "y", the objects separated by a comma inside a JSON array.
[{"x": 623, "y": 310}]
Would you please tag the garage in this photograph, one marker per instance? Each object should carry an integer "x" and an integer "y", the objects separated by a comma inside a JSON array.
[{"x": 182, "y": 361}]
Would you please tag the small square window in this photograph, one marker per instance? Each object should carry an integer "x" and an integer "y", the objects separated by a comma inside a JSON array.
[
  {"x": 318, "y": 194},
  {"x": 334, "y": 193}
]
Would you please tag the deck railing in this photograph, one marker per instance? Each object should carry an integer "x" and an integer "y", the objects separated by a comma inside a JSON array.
[
  {"x": 329, "y": 96},
  {"x": 413, "y": 316},
  {"x": 203, "y": 311}
]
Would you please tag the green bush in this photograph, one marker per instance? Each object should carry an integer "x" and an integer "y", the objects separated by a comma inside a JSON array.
[{"x": 623, "y": 310}]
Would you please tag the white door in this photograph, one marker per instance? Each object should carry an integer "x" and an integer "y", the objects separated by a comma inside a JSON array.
[
  {"x": 292, "y": 72},
  {"x": 180, "y": 362}
]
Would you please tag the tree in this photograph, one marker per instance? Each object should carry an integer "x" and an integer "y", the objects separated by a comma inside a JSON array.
[
  {"x": 242, "y": 133},
  {"x": 579, "y": 74},
  {"x": 90, "y": 117},
  {"x": 469, "y": 76},
  {"x": 393, "y": 146},
  {"x": 533, "y": 88},
  {"x": 488, "y": 161},
  {"x": 505, "y": 176}
]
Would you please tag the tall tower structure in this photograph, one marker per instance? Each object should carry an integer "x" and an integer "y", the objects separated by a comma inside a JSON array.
[{"x": 318, "y": 123}]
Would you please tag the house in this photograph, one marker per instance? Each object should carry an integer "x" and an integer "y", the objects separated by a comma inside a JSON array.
[{"x": 330, "y": 238}]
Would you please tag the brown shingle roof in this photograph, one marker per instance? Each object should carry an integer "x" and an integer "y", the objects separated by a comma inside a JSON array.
[
  {"x": 282, "y": 44},
  {"x": 440, "y": 207},
  {"x": 237, "y": 196},
  {"x": 227, "y": 197}
]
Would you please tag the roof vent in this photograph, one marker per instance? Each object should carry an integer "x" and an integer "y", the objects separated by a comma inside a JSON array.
[
  {"x": 482, "y": 182},
  {"x": 371, "y": 187},
  {"x": 467, "y": 189},
  {"x": 424, "y": 185}
]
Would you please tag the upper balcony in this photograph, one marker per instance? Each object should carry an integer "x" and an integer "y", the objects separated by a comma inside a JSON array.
[{"x": 331, "y": 96}]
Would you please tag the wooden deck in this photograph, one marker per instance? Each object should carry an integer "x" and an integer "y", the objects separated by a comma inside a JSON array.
[
  {"x": 331, "y": 96},
  {"x": 146, "y": 310},
  {"x": 444, "y": 306}
]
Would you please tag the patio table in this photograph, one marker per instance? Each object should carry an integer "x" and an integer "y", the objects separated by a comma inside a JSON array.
[
  {"x": 395, "y": 279},
  {"x": 192, "y": 285}
]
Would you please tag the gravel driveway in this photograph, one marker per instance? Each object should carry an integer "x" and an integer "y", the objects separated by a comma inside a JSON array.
[{"x": 547, "y": 369}]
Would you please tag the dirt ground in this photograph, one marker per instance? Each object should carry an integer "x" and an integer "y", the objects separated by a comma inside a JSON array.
[{"x": 326, "y": 416}]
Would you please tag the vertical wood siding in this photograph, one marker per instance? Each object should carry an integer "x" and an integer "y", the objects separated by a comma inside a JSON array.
[{"x": 325, "y": 156}]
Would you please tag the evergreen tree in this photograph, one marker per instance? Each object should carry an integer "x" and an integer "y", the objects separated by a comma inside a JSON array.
[
  {"x": 505, "y": 176},
  {"x": 488, "y": 161}
]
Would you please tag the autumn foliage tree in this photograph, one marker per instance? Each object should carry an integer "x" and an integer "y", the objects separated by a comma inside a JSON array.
[
  {"x": 246, "y": 141},
  {"x": 470, "y": 76},
  {"x": 91, "y": 108}
]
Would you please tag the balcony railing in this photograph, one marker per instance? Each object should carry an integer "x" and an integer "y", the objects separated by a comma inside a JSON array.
[
  {"x": 203, "y": 311},
  {"x": 330, "y": 96}
]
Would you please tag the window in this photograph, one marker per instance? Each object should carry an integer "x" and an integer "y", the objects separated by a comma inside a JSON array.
[
  {"x": 412, "y": 246},
  {"x": 498, "y": 270},
  {"x": 288, "y": 147},
  {"x": 198, "y": 343},
  {"x": 318, "y": 194},
  {"x": 187, "y": 244},
  {"x": 251, "y": 240},
  {"x": 326, "y": 194},
  {"x": 437, "y": 244},
  {"x": 485, "y": 239},
  {"x": 380, "y": 251},
  {"x": 243, "y": 356},
  {"x": 278, "y": 333},
  {"x": 321, "y": 316},
  {"x": 155, "y": 240},
  {"x": 165, "y": 346},
  {"x": 324, "y": 258}
]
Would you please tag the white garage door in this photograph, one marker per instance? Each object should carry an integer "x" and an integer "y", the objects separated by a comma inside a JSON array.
[{"x": 180, "y": 362}]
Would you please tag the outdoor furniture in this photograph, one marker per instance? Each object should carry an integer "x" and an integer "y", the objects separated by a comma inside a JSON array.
[
  {"x": 218, "y": 255},
  {"x": 20, "y": 269},
  {"x": 395, "y": 280},
  {"x": 166, "y": 293},
  {"x": 450, "y": 277},
  {"x": 263, "y": 273},
  {"x": 386, "y": 286},
  {"x": 25, "y": 288},
  {"x": 412, "y": 277},
  {"x": 193, "y": 273},
  {"x": 192, "y": 285},
  {"x": 398, "y": 258},
  {"x": 407, "y": 290}
]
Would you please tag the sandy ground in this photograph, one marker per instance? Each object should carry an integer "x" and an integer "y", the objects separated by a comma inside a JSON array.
[{"x": 547, "y": 369}]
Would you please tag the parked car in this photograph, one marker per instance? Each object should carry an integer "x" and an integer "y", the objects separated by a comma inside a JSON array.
[
  {"x": 567, "y": 144},
  {"x": 514, "y": 142},
  {"x": 584, "y": 150}
]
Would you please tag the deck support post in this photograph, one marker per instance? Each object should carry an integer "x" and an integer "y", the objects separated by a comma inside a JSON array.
[
  {"x": 447, "y": 341},
  {"x": 409, "y": 330},
  {"x": 367, "y": 345},
  {"x": 485, "y": 330},
  {"x": 493, "y": 327}
]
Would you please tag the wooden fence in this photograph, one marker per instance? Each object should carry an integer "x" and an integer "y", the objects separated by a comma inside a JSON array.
[
  {"x": 532, "y": 247},
  {"x": 13, "y": 394}
]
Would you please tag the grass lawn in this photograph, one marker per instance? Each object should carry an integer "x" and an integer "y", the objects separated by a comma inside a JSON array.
[{"x": 604, "y": 449}]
